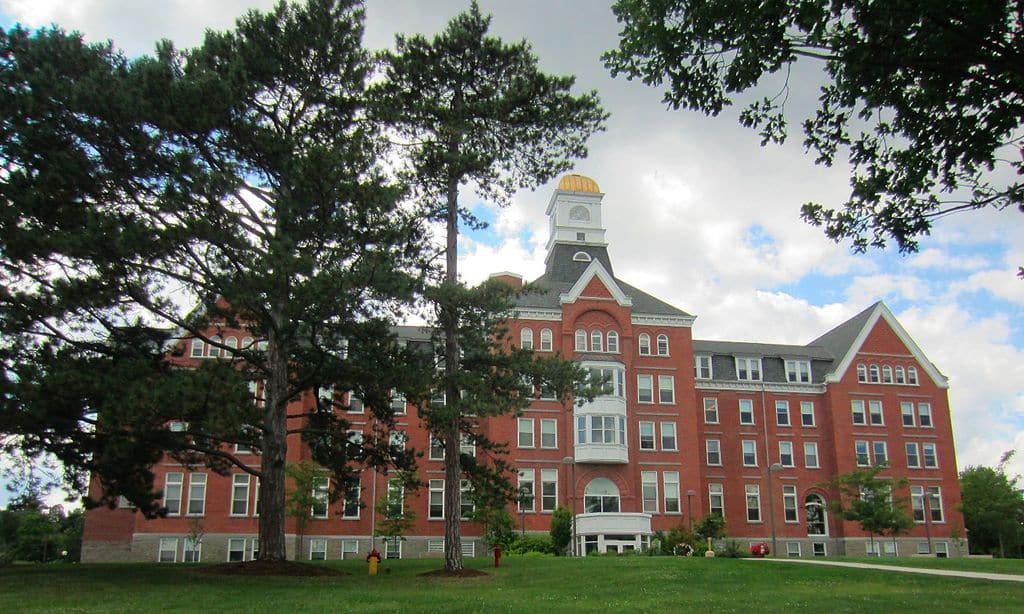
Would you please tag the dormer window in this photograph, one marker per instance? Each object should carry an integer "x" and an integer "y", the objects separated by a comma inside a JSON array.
[
  {"x": 581, "y": 257},
  {"x": 748, "y": 369}
]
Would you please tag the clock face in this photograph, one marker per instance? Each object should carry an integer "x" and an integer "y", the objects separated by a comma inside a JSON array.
[{"x": 579, "y": 213}]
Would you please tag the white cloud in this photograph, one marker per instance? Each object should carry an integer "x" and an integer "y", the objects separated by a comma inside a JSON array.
[
  {"x": 871, "y": 288},
  {"x": 935, "y": 258}
]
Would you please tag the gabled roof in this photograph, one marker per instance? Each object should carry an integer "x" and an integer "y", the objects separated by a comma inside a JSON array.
[
  {"x": 546, "y": 294},
  {"x": 739, "y": 348}
]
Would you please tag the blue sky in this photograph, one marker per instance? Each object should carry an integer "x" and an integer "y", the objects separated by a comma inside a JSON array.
[{"x": 697, "y": 212}]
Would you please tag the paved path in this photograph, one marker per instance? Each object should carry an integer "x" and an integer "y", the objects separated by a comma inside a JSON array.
[{"x": 921, "y": 570}]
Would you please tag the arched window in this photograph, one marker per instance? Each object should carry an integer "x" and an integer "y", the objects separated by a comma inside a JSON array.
[
  {"x": 817, "y": 515},
  {"x": 526, "y": 338},
  {"x": 545, "y": 340},
  {"x": 912, "y": 376},
  {"x": 601, "y": 497},
  {"x": 214, "y": 349},
  {"x": 579, "y": 213},
  {"x": 198, "y": 347},
  {"x": 886, "y": 374},
  {"x": 613, "y": 342},
  {"x": 581, "y": 340},
  {"x": 873, "y": 374},
  {"x": 246, "y": 343},
  {"x": 662, "y": 345},
  {"x": 644, "y": 343},
  {"x": 581, "y": 257},
  {"x": 900, "y": 376},
  {"x": 862, "y": 373},
  {"x": 596, "y": 341},
  {"x": 232, "y": 343}
]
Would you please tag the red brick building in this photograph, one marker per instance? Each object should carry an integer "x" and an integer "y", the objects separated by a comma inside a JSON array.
[{"x": 691, "y": 427}]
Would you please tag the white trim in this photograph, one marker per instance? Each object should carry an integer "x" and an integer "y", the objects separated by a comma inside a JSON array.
[
  {"x": 755, "y": 386},
  {"x": 596, "y": 269},
  {"x": 883, "y": 312},
  {"x": 640, "y": 319},
  {"x": 538, "y": 313}
]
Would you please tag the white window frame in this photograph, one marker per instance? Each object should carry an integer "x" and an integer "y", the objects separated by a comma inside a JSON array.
[
  {"x": 526, "y": 338},
  {"x": 669, "y": 445},
  {"x": 525, "y": 438},
  {"x": 596, "y": 341},
  {"x": 196, "y": 481},
  {"x": 649, "y": 492},
  {"x": 643, "y": 342},
  {"x": 320, "y": 497},
  {"x": 749, "y": 448},
  {"x": 315, "y": 552},
  {"x": 662, "y": 345},
  {"x": 798, "y": 371},
  {"x": 913, "y": 455},
  {"x": 240, "y": 494},
  {"x": 671, "y": 492},
  {"x": 666, "y": 384},
  {"x": 876, "y": 410},
  {"x": 807, "y": 409},
  {"x": 716, "y": 493},
  {"x": 436, "y": 448},
  {"x": 862, "y": 374},
  {"x": 548, "y": 490},
  {"x": 717, "y": 452},
  {"x": 167, "y": 544},
  {"x": 790, "y": 513},
  {"x": 699, "y": 367},
  {"x": 612, "y": 342},
  {"x": 884, "y": 447},
  {"x": 645, "y": 382},
  {"x": 934, "y": 455},
  {"x": 786, "y": 449},
  {"x": 793, "y": 550},
  {"x": 527, "y": 484},
  {"x": 748, "y": 413},
  {"x": 548, "y": 433},
  {"x": 546, "y": 340},
  {"x": 236, "y": 545},
  {"x": 859, "y": 412},
  {"x": 808, "y": 446},
  {"x": 174, "y": 480},
  {"x": 198, "y": 349},
  {"x": 580, "y": 340},
  {"x": 435, "y": 489},
  {"x": 645, "y": 428},
  {"x": 782, "y": 410},
  {"x": 752, "y": 493},
  {"x": 912, "y": 376},
  {"x": 901, "y": 376},
  {"x": 907, "y": 416},
  {"x": 925, "y": 409},
  {"x": 863, "y": 459},
  {"x": 350, "y": 504},
  {"x": 748, "y": 369},
  {"x": 712, "y": 407}
]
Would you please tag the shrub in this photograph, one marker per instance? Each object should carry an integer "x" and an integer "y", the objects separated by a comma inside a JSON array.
[
  {"x": 561, "y": 529},
  {"x": 732, "y": 550},
  {"x": 531, "y": 543}
]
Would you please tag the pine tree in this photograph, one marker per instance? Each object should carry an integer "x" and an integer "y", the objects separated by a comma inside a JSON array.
[{"x": 471, "y": 109}]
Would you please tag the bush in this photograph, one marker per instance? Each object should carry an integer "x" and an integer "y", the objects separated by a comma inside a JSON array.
[
  {"x": 561, "y": 530},
  {"x": 6, "y": 555},
  {"x": 531, "y": 543},
  {"x": 732, "y": 550}
]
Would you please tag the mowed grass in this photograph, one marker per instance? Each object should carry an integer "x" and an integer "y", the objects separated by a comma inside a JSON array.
[
  {"x": 634, "y": 583},
  {"x": 1001, "y": 566}
]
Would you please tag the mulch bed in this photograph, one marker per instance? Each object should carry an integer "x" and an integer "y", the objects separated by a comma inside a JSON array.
[
  {"x": 464, "y": 573},
  {"x": 269, "y": 568}
]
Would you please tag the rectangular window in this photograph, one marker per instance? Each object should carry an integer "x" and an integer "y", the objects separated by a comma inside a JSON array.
[
  {"x": 646, "y": 435},
  {"x": 392, "y": 549},
  {"x": 436, "y": 502},
  {"x": 548, "y": 433},
  {"x": 881, "y": 453},
  {"x": 318, "y": 549},
  {"x": 355, "y": 403},
  {"x": 917, "y": 503},
  {"x": 807, "y": 413},
  {"x": 811, "y": 455},
  {"x": 749, "y": 453},
  {"x": 907, "y": 412},
  {"x": 240, "y": 494},
  {"x": 398, "y": 439},
  {"x": 859, "y": 417},
  {"x": 710, "y": 411},
  {"x": 716, "y": 500},
  {"x": 168, "y": 552},
  {"x": 526, "y": 432},
  {"x": 256, "y": 498},
  {"x": 789, "y": 503},
  {"x": 714, "y": 449},
  {"x": 875, "y": 410},
  {"x": 645, "y": 388},
  {"x": 818, "y": 549},
  {"x": 861, "y": 450},
  {"x": 236, "y": 549},
  {"x": 172, "y": 493},
  {"x": 397, "y": 402},
  {"x": 935, "y": 503},
  {"x": 395, "y": 499},
  {"x": 748, "y": 369},
  {"x": 913, "y": 460},
  {"x": 349, "y": 548},
  {"x": 786, "y": 453},
  {"x": 782, "y": 413},
  {"x": 746, "y": 411},
  {"x": 670, "y": 479},
  {"x": 548, "y": 490},
  {"x": 320, "y": 488},
  {"x": 466, "y": 445},
  {"x": 793, "y": 549},
  {"x": 198, "y": 347},
  {"x": 666, "y": 389},
  {"x": 798, "y": 371},
  {"x": 526, "y": 493},
  {"x": 436, "y": 448},
  {"x": 467, "y": 505},
  {"x": 924, "y": 414},
  {"x": 545, "y": 340},
  {"x": 192, "y": 550},
  {"x": 931, "y": 461},
  {"x": 196, "y": 494},
  {"x": 351, "y": 503},
  {"x": 702, "y": 367},
  {"x": 649, "y": 488},
  {"x": 668, "y": 436},
  {"x": 753, "y": 503}
]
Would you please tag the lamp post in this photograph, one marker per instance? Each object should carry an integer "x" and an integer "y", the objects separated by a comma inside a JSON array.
[
  {"x": 689, "y": 506},
  {"x": 571, "y": 462},
  {"x": 771, "y": 501}
]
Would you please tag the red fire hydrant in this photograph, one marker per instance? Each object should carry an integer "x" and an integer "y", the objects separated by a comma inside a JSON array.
[
  {"x": 760, "y": 550},
  {"x": 497, "y": 556}
]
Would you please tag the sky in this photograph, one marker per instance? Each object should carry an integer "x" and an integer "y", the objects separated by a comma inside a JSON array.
[{"x": 697, "y": 212}]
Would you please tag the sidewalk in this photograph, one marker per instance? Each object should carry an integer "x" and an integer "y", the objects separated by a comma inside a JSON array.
[{"x": 929, "y": 572}]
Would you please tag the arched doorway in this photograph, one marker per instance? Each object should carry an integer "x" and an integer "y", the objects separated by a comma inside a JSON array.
[{"x": 817, "y": 515}]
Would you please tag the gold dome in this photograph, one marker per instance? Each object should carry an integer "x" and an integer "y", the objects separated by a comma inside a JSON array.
[{"x": 578, "y": 183}]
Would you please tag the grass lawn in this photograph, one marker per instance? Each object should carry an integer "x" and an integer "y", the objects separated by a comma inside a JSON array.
[
  {"x": 1007, "y": 566},
  {"x": 635, "y": 583}
]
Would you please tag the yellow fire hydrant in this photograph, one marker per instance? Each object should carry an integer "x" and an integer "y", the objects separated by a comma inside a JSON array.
[{"x": 374, "y": 560}]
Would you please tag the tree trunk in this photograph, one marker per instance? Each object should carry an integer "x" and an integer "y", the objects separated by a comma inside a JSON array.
[
  {"x": 275, "y": 447},
  {"x": 450, "y": 437}
]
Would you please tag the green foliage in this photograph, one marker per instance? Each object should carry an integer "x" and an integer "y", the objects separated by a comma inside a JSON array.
[
  {"x": 872, "y": 501},
  {"x": 712, "y": 526},
  {"x": 499, "y": 527},
  {"x": 395, "y": 519},
  {"x": 27, "y": 533},
  {"x": 304, "y": 498},
  {"x": 993, "y": 508},
  {"x": 732, "y": 549},
  {"x": 531, "y": 543},
  {"x": 561, "y": 529},
  {"x": 924, "y": 97}
]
